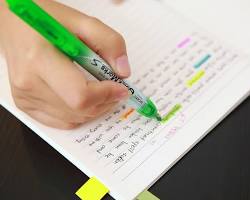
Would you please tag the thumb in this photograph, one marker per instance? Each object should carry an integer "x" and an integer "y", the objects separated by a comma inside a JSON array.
[{"x": 106, "y": 42}]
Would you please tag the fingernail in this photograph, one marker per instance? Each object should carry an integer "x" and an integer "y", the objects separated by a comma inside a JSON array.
[
  {"x": 122, "y": 95},
  {"x": 122, "y": 66}
]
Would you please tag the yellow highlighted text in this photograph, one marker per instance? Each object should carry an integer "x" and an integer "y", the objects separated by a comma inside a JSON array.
[
  {"x": 195, "y": 78},
  {"x": 171, "y": 113}
]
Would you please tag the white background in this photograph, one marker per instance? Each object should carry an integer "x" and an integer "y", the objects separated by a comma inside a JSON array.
[{"x": 229, "y": 19}]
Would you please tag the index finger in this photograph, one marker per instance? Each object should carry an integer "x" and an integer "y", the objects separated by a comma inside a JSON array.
[{"x": 69, "y": 83}]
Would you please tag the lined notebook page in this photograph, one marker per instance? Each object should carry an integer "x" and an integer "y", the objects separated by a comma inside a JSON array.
[{"x": 194, "y": 79}]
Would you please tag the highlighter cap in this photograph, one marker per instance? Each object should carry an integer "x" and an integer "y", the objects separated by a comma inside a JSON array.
[{"x": 149, "y": 110}]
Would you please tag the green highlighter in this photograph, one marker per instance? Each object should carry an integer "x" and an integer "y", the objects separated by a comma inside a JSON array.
[{"x": 79, "y": 52}]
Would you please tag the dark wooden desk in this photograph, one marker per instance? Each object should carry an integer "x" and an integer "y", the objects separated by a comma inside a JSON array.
[{"x": 218, "y": 168}]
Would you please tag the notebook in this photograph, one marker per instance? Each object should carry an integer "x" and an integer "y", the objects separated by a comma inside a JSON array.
[{"x": 194, "y": 78}]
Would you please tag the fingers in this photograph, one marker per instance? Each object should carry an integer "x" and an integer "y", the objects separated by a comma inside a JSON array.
[
  {"x": 51, "y": 105},
  {"x": 59, "y": 90},
  {"x": 48, "y": 103},
  {"x": 50, "y": 121},
  {"x": 48, "y": 86},
  {"x": 68, "y": 82},
  {"x": 43, "y": 112},
  {"x": 62, "y": 76},
  {"x": 100, "y": 110},
  {"x": 105, "y": 41},
  {"x": 104, "y": 92}
]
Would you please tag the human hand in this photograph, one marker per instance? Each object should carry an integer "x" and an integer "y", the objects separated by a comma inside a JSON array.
[{"x": 46, "y": 84}]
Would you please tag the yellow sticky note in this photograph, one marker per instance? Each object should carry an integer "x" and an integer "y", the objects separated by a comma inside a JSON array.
[
  {"x": 146, "y": 195},
  {"x": 92, "y": 190}
]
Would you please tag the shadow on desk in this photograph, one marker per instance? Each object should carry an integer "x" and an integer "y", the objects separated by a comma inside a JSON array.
[{"x": 218, "y": 168}]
